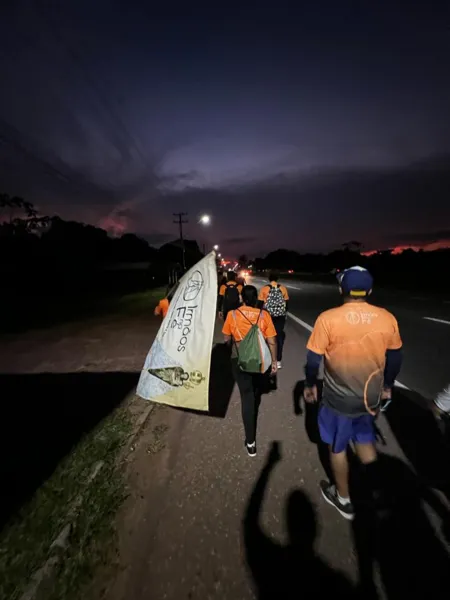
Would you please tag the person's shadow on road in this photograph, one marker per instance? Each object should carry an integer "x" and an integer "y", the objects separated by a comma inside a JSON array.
[
  {"x": 311, "y": 417},
  {"x": 294, "y": 570},
  {"x": 398, "y": 538}
]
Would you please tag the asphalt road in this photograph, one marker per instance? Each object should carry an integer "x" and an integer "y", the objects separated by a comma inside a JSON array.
[
  {"x": 426, "y": 368},
  {"x": 205, "y": 521}
]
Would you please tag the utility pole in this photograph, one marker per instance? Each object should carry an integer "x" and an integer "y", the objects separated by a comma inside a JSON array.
[{"x": 180, "y": 222}]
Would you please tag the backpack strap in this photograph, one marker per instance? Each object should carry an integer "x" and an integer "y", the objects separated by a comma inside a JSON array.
[
  {"x": 235, "y": 324},
  {"x": 247, "y": 319}
]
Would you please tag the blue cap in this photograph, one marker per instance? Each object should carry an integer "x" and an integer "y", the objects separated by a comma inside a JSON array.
[{"x": 356, "y": 281}]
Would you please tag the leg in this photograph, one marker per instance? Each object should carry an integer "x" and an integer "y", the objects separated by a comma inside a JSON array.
[
  {"x": 248, "y": 402},
  {"x": 366, "y": 453},
  {"x": 336, "y": 431},
  {"x": 364, "y": 436},
  {"x": 339, "y": 466}
]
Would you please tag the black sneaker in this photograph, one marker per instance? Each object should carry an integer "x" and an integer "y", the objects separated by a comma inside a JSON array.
[
  {"x": 330, "y": 494},
  {"x": 251, "y": 449}
]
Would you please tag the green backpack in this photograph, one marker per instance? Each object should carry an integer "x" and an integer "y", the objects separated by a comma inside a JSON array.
[{"x": 249, "y": 349}]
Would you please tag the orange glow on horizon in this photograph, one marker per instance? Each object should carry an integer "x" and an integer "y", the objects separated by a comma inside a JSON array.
[{"x": 440, "y": 245}]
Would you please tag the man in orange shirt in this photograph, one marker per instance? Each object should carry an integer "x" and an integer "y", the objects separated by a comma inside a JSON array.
[
  {"x": 362, "y": 349},
  {"x": 274, "y": 298},
  {"x": 236, "y": 327},
  {"x": 229, "y": 295},
  {"x": 163, "y": 308}
]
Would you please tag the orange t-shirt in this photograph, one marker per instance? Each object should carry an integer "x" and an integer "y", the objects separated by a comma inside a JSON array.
[
  {"x": 264, "y": 291},
  {"x": 238, "y": 323},
  {"x": 354, "y": 339},
  {"x": 162, "y": 308}
]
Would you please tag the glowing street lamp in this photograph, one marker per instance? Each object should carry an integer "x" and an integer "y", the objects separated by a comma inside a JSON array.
[
  {"x": 216, "y": 247},
  {"x": 205, "y": 219},
  {"x": 219, "y": 255}
]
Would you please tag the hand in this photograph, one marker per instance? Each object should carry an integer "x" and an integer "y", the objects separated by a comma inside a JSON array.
[
  {"x": 221, "y": 315},
  {"x": 273, "y": 370},
  {"x": 310, "y": 394},
  {"x": 385, "y": 398},
  {"x": 386, "y": 394}
]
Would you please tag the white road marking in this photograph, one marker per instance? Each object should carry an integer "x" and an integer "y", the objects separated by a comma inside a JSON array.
[
  {"x": 400, "y": 385},
  {"x": 309, "y": 328},
  {"x": 264, "y": 281},
  {"x": 299, "y": 321},
  {"x": 437, "y": 320}
]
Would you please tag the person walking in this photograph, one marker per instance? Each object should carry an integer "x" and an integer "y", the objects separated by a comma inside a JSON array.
[
  {"x": 361, "y": 345},
  {"x": 229, "y": 295},
  {"x": 163, "y": 305},
  {"x": 238, "y": 324},
  {"x": 274, "y": 298}
]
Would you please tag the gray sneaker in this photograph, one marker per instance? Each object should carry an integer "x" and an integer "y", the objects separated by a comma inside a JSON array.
[{"x": 330, "y": 495}]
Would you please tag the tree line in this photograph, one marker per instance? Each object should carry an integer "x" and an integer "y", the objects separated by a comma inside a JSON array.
[
  {"x": 28, "y": 239},
  {"x": 409, "y": 269}
]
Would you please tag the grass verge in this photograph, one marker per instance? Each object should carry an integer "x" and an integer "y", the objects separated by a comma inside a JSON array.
[
  {"x": 25, "y": 543},
  {"x": 138, "y": 303}
]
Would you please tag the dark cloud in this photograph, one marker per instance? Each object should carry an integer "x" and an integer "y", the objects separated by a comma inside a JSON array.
[
  {"x": 125, "y": 212},
  {"x": 239, "y": 240},
  {"x": 321, "y": 209}
]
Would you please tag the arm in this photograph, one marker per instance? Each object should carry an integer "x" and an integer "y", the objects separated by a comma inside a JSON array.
[
  {"x": 394, "y": 359},
  {"x": 391, "y": 370},
  {"x": 270, "y": 333},
  {"x": 272, "y": 343},
  {"x": 227, "y": 330},
  {"x": 262, "y": 297},
  {"x": 316, "y": 346},
  {"x": 312, "y": 367},
  {"x": 220, "y": 303}
]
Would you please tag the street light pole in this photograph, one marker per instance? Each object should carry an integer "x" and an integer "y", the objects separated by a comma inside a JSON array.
[{"x": 180, "y": 221}]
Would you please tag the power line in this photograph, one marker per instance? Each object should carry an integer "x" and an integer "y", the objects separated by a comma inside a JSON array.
[{"x": 180, "y": 221}]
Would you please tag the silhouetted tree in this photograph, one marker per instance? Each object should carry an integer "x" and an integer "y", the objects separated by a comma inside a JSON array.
[
  {"x": 18, "y": 217},
  {"x": 353, "y": 246},
  {"x": 243, "y": 260}
]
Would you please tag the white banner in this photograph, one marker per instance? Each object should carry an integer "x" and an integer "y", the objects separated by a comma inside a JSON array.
[{"x": 176, "y": 370}]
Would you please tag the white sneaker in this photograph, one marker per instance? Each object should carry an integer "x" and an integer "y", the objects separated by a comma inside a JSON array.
[
  {"x": 251, "y": 449},
  {"x": 279, "y": 365}
]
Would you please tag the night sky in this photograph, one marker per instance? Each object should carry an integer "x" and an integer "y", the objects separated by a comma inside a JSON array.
[{"x": 302, "y": 127}]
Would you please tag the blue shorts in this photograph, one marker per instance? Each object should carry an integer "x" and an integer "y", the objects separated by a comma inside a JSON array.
[{"x": 339, "y": 430}]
